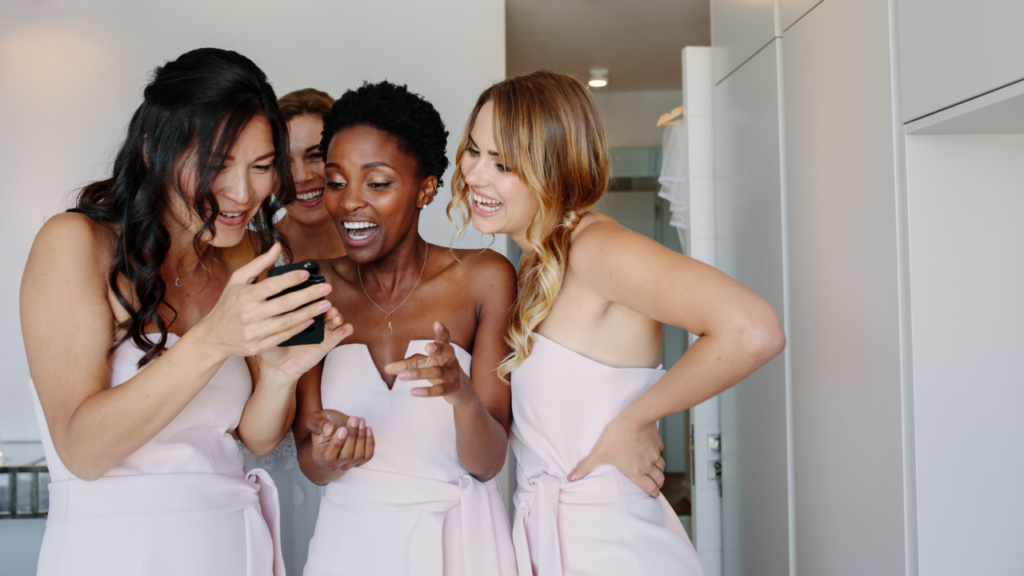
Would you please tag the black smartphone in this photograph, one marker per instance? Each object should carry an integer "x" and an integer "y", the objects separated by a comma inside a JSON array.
[{"x": 314, "y": 334}]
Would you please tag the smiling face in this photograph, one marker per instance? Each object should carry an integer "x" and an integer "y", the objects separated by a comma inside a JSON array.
[
  {"x": 246, "y": 178},
  {"x": 307, "y": 170},
  {"x": 374, "y": 191},
  {"x": 502, "y": 203}
]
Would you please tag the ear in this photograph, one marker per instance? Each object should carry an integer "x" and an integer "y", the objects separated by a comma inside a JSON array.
[{"x": 428, "y": 189}]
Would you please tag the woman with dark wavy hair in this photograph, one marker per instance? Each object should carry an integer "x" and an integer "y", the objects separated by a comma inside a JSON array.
[{"x": 151, "y": 346}]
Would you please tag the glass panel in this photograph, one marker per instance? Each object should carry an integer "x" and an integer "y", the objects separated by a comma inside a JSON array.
[
  {"x": 5, "y": 494},
  {"x": 24, "y": 505},
  {"x": 44, "y": 492}
]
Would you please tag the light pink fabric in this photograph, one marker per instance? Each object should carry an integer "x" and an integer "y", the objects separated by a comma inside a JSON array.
[
  {"x": 412, "y": 509},
  {"x": 603, "y": 523},
  {"x": 181, "y": 504}
]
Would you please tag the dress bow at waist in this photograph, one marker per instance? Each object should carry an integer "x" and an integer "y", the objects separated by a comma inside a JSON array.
[
  {"x": 545, "y": 491},
  {"x": 393, "y": 492},
  {"x": 156, "y": 495}
]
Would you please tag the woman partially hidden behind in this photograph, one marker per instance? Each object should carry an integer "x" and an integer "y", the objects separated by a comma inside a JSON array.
[
  {"x": 586, "y": 336},
  {"x": 407, "y": 448},
  {"x": 138, "y": 308}
]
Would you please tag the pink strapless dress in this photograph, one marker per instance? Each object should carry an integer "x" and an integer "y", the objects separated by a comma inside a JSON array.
[
  {"x": 412, "y": 510},
  {"x": 181, "y": 504},
  {"x": 604, "y": 523}
]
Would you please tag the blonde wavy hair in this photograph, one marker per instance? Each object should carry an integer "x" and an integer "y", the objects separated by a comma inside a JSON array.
[{"x": 548, "y": 132}]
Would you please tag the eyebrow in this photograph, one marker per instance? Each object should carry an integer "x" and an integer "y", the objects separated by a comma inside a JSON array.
[
  {"x": 267, "y": 155},
  {"x": 491, "y": 152},
  {"x": 365, "y": 166},
  {"x": 313, "y": 147}
]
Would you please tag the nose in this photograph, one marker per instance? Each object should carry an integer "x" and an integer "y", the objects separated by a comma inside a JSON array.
[
  {"x": 473, "y": 173},
  {"x": 301, "y": 173},
  {"x": 238, "y": 189},
  {"x": 352, "y": 199}
]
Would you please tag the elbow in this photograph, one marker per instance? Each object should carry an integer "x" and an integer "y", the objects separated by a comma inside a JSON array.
[{"x": 765, "y": 340}]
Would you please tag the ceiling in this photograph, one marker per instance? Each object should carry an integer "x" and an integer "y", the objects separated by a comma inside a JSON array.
[{"x": 638, "y": 41}]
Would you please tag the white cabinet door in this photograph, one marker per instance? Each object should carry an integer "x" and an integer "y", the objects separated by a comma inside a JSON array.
[
  {"x": 749, "y": 224},
  {"x": 845, "y": 333},
  {"x": 957, "y": 49},
  {"x": 739, "y": 28},
  {"x": 793, "y": 10}
]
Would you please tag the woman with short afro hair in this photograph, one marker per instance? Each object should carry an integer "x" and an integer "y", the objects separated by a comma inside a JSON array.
[{"x": 407, "y": 424}]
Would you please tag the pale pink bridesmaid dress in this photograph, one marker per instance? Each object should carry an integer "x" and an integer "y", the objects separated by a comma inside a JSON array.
[
  {"x": 412, "y": 510},
  {"x": 603, "y": 523},
  {"x": 181, "y": 504}
]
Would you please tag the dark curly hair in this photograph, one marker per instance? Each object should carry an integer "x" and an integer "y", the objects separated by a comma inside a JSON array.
[
  {"x": 395, "y": 110},
  {"x": 195, "y": 105}
]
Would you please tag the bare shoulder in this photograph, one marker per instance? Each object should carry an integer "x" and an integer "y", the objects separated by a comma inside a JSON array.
[
  {"x": 73, "y": 238},
  {"x": 599, "y": 238},
  {"x": 485, "y": 266}
]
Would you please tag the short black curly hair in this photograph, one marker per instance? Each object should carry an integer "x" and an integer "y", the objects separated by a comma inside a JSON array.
[{"x": 395, "y": 110}]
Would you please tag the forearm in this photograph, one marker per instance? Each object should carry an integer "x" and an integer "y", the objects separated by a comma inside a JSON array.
[
  {"x": 710, "y": 366},
  {"x": 268, "y": 414},
  {"x": 481, "y": 441},
  {"x": 111, "y": 425}
]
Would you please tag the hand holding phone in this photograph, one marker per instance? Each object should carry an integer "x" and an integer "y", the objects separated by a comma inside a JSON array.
[{"x": 314, "y": 334}]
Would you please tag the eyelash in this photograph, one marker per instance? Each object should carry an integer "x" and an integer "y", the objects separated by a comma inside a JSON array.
[
  {"x": 379, "y": 185},
  {"x": 475, "y": 153},
  {"x": 316, "y": 156},
  {"x": 336, "y": 185},
  {"x": 262, "y": 168}
]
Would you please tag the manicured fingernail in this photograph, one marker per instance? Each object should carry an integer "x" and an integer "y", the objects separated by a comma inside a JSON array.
[
  {"x": 362, "y": 424},
  {"x": 404, "y": 375},
  {"x": 325, "y": 288},
  {"x": 325, "y": 306},
  {"x": 417, "y": 392},
  {"x": 572, "y": 476},
  {"x": 304, "y": 275},
  {"x": 309, "y": 322},
  {"x": 369, "y": 431},
  {"x": 342, "y": 434},
  {"x": 327, "y": 429}
]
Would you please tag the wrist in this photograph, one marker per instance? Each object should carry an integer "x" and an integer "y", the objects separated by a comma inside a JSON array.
[
  {"x": 205, "y": 351},
  {"x": 200, "y": 333},
  {"x": 633, "y": 420}
]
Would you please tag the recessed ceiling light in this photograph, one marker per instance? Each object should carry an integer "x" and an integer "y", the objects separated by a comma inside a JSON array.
[{"x": 598, "y": 77}]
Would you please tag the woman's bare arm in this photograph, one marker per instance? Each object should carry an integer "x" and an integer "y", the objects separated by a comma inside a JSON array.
[
  {"x": 482, "y": 403},
  {"x": 739, "y": 332},
  {"x": 68, "y": 326},
  {"x": 482, "y": 427}
]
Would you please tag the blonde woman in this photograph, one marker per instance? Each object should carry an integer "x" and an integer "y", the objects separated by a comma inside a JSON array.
[{"x": 585, "y": 333}]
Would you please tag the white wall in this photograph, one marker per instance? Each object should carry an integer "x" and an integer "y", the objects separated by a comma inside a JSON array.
[
  {"x": 630, "y": 118},
  {"x": 72, "y": 74}
]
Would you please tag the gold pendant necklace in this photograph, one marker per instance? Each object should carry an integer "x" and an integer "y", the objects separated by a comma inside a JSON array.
[{"x": 389, "y": 317}]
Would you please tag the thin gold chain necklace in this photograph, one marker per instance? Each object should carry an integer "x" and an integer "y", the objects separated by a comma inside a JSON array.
[{"x": 389, "y": 317}]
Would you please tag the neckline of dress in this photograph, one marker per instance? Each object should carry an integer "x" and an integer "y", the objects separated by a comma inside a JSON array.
[
  {"x": 407, "y": 347},
  {"x": 540, "y": 336}
]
